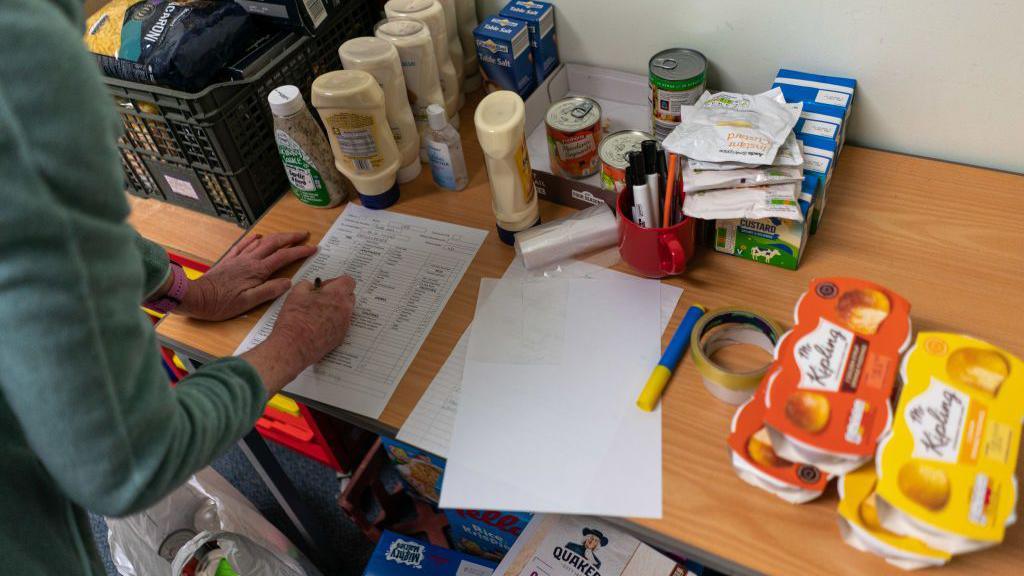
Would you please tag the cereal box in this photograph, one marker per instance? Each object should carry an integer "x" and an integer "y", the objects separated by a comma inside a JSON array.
[
  {"x": 860, "y": 527},
  {"x": 421, "y": 471},
  {"x": 756, "y": 462},
  {"x": 486, "y": 534},
  {"x": 771, "y": 241},
  {"x": 829, "y": 404},
  {"x": 946, "y": 473},
  {"x": 503, "y": 47},
  {"x": 554, "y": 545},
  {"x": 540, "y": 19},
  {"x": 397, "y": 555}
]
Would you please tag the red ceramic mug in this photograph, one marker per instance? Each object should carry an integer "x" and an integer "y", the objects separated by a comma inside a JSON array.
[{"x": 653, "y": 252}]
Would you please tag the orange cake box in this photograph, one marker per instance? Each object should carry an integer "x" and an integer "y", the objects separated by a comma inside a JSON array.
[
  {"x": 830, "y": 403},
  {"x": 946, "y": 472},
  {"x": 756, "y": 462}
]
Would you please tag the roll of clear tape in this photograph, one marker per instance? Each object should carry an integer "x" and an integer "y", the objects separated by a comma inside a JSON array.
[{"x": 589, "y": 229}]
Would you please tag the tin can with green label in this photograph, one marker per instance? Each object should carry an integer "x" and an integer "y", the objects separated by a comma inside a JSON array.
[{"x": 676, "y": 77}]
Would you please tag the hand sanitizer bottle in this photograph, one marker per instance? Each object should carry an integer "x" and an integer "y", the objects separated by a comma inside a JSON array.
[{"x": 447, "y": 163}]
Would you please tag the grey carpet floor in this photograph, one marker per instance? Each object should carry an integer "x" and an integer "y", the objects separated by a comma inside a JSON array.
[{"x": 318, "y": 485}]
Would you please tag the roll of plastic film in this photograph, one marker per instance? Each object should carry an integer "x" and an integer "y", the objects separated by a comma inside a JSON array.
[
  {"x": 726, "y": 327},
  {"x": 587, "y": 230}
]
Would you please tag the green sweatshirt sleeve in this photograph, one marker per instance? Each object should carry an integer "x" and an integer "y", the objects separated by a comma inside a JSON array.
[
  {"x": 155, "y": 265},
  {"x": 79, "y": 363}
]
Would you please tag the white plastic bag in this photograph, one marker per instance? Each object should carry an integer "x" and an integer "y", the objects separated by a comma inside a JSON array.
[
  {"x": 779, "y": 201},
  {"x": 145, "y": 544},
  {"x": 732, "y": 127},
  {"x": 701, "y": 180}
]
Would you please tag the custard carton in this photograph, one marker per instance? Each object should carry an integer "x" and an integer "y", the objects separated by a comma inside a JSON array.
[
  {"x": 860, "y": 527},
  {"x": 829, "y": 404},
  {"x": 946, "y": 471},
  {"x": 756, "y": 462},
  {"x": 484, "y": 533}
]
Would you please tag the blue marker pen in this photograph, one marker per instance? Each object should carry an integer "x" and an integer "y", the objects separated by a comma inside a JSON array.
[{"x": 669, "y": 360}]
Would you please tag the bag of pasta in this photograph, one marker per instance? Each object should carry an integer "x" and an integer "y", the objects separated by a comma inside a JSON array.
[{"x": 180, "y": 44}]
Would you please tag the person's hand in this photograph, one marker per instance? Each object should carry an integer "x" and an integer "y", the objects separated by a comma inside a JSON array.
[
  {"x": 311, "y": 323},
  {"x": 240, "y": 281}
]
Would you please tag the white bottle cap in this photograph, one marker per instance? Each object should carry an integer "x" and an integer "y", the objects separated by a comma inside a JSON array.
[
  {"x": 436, "y": 117},
  {"x": 285, "y": 100}
]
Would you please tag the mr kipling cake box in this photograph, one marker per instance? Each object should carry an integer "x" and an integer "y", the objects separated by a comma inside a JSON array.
[
  {"x": 772, "y": 241},
  {"x": 506, "y": 62},
  {"x": 484, "y": 533},
  {"x": 946, "y": 472},
  {"x": 397, "y": 555},
  {"x": 540, "y": 19},
  {"x": 830, "y": 403}
]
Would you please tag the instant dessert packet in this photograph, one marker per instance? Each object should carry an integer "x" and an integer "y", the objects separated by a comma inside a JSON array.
[
  {"x": 946, "y": 471},
  {"x": 829, "y": 405},
  {"x": 756, "y": 462},
  {"x": 860, "y": 527}
]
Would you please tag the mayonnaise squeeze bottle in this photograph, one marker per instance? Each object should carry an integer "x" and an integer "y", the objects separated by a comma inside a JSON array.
[
  {"x": 465, "y": 12},
  {"x": 419, "y": 66},
  {"x": 380, "y": 59},
  {"x": 500, "y": 127},
  {"x": 451, "y": 27},
  {"x": 432, "y": 15},
  {"x": 351, "y": 105}
]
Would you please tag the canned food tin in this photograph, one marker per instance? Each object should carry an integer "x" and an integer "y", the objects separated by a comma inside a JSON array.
[
  {"x": 677, "y": 78},
  {"x": 574, "y": 133},
  {"x": 613, "y": 152}
]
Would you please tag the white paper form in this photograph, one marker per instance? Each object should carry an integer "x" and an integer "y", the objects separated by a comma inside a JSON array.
[
  {"x": 430, "y": 424},
  {"x": 560, "y": 432},
  {"x": 405, "y": 270}
]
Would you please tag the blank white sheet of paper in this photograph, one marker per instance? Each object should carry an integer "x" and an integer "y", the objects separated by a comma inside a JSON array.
[
  {"x": 405, "y": 270},
  {"x": 547, "y": 418},
  {"x": 430, "y": 424}
]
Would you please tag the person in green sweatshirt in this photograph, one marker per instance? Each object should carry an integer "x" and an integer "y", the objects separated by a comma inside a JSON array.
[{"x": 88, "y": 420}]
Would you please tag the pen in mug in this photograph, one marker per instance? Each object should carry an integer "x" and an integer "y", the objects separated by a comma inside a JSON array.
[
  {"x": 642, "y": 209},
  {"x": 649, "y": 148}
]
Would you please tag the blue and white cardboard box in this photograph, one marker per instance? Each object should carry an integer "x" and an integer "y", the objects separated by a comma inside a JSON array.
[
  {"x": 806, "y": 87},
  {"x": 819, "y": 159},
  {"x": 503, "y": 47},
  {"x": 484, "y": 533},
  {"x": 540, "y": 20},
  {"x": 821, "y": 120},
  {"x": 397, "y": 555}
]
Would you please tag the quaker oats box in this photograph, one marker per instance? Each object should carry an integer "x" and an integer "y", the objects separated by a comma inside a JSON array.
[
  {"x": 397, "y": 555},
  {"x": 484, "y": 533},
  {"x": 554, "y": 545},
  {"x": 421, "y": 471}
]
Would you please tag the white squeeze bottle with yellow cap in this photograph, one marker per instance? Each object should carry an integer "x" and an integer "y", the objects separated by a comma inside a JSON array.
[
  {"x": 500, "y": 127},
  {"x": 432, "y": 15},
  {"x": 380, "y": 59},
  {"x": 451, "y": 27},
  {"x": 351, "y": 105},
  {"x": 416, "y": 53},
  {"x": 465, "y": 12}
]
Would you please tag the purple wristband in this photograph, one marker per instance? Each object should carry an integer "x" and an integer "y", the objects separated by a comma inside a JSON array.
[{"x": 174, "y": 295}]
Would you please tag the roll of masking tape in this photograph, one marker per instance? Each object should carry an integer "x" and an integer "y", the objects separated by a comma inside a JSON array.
[{"x": 726, "y": 327}]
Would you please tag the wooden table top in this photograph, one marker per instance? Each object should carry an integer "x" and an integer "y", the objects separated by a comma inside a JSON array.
[{"x": 947, "y": 237}]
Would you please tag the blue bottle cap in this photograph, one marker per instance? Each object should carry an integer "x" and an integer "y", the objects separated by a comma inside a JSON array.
[{"x": 381, "y": 201}]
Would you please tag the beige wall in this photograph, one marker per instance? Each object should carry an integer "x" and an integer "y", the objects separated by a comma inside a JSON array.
[{"x": 938, "y": 78}]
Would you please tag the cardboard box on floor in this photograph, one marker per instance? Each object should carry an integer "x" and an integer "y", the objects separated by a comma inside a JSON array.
[{"x": 623, "y": 100}]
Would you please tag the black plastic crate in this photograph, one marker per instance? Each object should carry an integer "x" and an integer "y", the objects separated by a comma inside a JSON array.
[{"x": 214, "y": 151}]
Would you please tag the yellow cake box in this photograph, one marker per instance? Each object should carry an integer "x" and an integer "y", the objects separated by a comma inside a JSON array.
[
  {"x": 946, "y": 470},
  {"x": 860, "y": 526}
]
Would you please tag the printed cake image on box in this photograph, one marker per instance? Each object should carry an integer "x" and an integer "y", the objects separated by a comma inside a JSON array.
[
  {"x": 485, "y": 533},
  {"x": 397, "y": 555},
  {"x": 421, "y": 471}
]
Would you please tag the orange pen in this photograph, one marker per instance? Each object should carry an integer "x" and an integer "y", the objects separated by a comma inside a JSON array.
[{"x": 670, "y": 189}]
